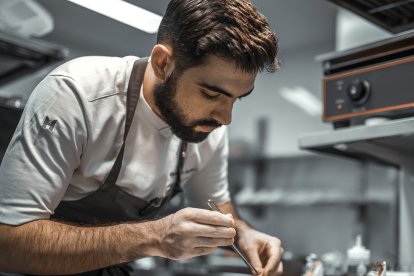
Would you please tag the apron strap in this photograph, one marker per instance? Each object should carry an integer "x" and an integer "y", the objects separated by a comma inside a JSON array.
[{"x": 133, "y": 93}]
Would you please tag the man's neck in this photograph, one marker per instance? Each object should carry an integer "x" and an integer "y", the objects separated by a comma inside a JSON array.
[{"x": 150, "y": 83}]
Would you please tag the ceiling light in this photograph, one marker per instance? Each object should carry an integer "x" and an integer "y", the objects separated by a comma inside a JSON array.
[
  {"x": 302, "y": 98},
  {"x": 124, "y": 12}
]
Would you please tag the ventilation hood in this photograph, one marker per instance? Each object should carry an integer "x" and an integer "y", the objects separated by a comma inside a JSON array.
[
  {"x": 395, "y": 16},
  {"x": 20, "y": 56},
  {"x": 20, "y": 53}
]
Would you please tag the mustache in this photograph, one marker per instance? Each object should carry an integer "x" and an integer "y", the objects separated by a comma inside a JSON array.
[{"x": 206, "y": 122}]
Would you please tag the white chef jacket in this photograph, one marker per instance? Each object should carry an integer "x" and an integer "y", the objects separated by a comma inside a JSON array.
[{"x": 71, "y": 132}]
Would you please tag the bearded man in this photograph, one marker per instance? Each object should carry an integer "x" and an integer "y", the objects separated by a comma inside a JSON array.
[{"x": 105, "y": 142}]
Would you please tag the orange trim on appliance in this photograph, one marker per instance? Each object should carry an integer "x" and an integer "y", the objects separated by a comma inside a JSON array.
[
  {"x": 377, "y": 110},
  {"x": 324, "y": 99}
]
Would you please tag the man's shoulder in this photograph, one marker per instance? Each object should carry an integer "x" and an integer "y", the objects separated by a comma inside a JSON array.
[
  {"x": 97, "y": 76},
  {"x": 89, "y": 65}
]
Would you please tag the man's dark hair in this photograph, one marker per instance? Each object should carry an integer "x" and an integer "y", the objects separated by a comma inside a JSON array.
[{"x": 232, "y": 29}]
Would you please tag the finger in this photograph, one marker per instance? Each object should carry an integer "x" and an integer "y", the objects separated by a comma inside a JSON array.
[
  {"x": 216, "y": 231},
  {"x": 212, "y": 242},
  {"x": 279, "y": 270},
  {"x": 255, "y": 262},
  {"x": 194, "y": 229},
  {"x": 254, "y": 259},
  {"x": 274, "y": 252},
  {"x": 208, "y": 217}
]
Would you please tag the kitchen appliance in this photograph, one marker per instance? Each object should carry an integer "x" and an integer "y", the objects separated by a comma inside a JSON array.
[
  {"x": 373, "y": 80},
  {"x": 395, "y": 16}
]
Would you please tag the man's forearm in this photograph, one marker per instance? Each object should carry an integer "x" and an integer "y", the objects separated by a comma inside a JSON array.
[{"x": 48, "y": 247}]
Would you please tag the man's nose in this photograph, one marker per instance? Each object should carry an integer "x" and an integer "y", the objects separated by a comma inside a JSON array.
[{"x": 223, "y": 113}]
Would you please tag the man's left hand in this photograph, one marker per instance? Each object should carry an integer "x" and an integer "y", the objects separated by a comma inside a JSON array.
[{"x": 263, "y": 251}]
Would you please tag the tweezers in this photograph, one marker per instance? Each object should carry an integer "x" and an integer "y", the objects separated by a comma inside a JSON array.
[{"x": 213, "y": 206}]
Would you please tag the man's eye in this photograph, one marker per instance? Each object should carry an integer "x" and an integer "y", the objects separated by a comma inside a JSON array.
[{"x": 209, "y": 96}]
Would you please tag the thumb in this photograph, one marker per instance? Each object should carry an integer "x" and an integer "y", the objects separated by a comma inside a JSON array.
[{"x": 255, "y": 262}]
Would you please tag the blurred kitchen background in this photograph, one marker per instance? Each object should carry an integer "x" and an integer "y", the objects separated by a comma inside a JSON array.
[{"x": 315, "y": 203}]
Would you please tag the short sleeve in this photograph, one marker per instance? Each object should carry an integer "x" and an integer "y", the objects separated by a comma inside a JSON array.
[
  {"x": 212, "y": 181},
  {"x": 43, "y": 153}
]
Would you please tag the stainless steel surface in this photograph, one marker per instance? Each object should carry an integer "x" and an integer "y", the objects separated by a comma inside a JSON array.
[
  {"x": 401, "y": 128},
  {"x": 214, "y": 207}
]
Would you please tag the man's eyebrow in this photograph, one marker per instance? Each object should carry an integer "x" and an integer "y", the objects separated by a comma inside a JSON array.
[{"x": 221, "y": 90}]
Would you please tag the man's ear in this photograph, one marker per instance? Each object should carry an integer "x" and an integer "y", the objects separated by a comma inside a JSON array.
[{"x": 161, "y": 61}]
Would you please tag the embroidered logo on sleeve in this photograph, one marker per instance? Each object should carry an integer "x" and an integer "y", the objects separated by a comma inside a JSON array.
[{"x": 49, "y": 124}]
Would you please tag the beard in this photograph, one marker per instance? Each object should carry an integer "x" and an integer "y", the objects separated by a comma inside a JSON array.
[{"x": 173, "y": 115}]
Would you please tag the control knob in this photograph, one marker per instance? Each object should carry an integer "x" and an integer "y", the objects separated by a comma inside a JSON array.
[{"x": 358, "y": 91}]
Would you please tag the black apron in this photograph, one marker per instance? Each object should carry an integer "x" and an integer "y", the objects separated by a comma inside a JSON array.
[{"x": 110, "y": 204}]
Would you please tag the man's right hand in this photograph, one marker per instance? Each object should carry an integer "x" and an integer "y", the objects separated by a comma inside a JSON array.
[{"x": 193, "y": 232}]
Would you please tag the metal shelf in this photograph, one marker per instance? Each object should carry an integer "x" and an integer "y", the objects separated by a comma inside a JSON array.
[
  {"x": 248, "y": 198},
  {"x": 392, "y": 143}
]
